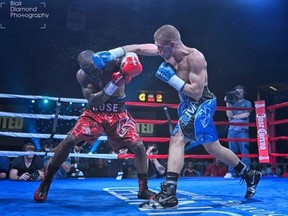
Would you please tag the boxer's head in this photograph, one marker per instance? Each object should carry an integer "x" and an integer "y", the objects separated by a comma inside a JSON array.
[
  {"x": 165, "y": 39},
  {"x": 86, "y": 64}
]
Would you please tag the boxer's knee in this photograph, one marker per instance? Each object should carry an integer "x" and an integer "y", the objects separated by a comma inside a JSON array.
[
  {"x": 138, "y": 148},
  {"x": 177, "y": 139},
  {"x": 70, "y": 141}
]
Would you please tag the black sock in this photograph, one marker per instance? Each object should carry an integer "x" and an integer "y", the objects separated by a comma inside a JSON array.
[
  {"x": 172, "y": 178},
  {"x": 142, "y": 180},
  {"x": 171, "y": 183},
  {"x": 241, "y": 168},
  {"x": 49, "y": 174}
]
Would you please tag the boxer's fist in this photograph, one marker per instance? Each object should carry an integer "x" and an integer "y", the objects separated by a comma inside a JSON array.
[
  {"x": 120, "y": 79},
  {"x": 101, "y": 58},
  {"x": 167, "y": 74},
  {"x": 130, "y": 65}
]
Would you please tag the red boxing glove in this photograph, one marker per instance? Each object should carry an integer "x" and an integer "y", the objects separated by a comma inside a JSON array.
[
  {"x": 120, "y": 79},
  {"x": 130, "y": 65}
]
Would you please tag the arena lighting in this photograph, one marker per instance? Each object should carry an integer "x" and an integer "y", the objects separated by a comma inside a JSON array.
[
  {"x": 273, "y": 88},
  {"x": 83, "y": 104},
  {"x": 33, "y": 101},
  {"x": 45, "y": 101},
  {"x": 70, "y": 103}
]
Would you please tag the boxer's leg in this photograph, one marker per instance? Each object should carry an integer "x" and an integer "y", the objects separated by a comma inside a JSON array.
[
  {"x": 142, "y": 169},
  {"x": 62, "y": 152},
  {"x": 224, "y": 154}
]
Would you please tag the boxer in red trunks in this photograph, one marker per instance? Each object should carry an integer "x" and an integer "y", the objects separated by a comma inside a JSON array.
[{"x": 102, "y": 83}]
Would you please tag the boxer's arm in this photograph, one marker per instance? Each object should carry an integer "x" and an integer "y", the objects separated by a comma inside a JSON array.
[
  {"x": 142, "y": 49},
  {"x": 95, "y": 98},
  {"x": 197, "y": 76}
]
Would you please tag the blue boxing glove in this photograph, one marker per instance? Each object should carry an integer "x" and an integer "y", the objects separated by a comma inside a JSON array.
[
  {"x": 167, "y": 74},
  {"x": 101, "y": 58}
]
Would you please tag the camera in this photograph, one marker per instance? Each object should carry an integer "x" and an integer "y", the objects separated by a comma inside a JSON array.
[
  {"x": 231, "y": 96},
  {"x": 34, "y": 175}
]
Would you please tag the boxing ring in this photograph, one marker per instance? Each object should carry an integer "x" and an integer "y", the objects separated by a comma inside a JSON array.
[{"x": 108, "y": 196}]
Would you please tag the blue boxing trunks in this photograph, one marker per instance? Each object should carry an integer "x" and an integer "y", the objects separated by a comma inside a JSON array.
[{"x": 196, "y": 119}]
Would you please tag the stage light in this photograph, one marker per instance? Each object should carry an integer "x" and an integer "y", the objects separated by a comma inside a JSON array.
[
  {"x": 83, "y": 104},
  {"x": 46, "y": 101},
  {"x": 273, "y": 88},
  {"x": 70, "y": 103},
  {"x": 33, "y": 101}
]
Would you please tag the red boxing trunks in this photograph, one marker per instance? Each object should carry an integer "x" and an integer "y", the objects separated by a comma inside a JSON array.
[{"x": 111, "y": 119}]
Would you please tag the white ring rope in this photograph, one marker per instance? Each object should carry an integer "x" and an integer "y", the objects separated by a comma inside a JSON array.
[
  {"x": 40, "y": 116},
  {"x": 39, "y": 135},
  {"x": 73, "y": 100},
  {"x": 37, "y": 116},
  {"x": 82, "y": 155}
]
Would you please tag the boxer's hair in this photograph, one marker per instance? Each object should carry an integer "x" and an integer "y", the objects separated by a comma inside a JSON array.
[
  {"x": 166, "y": 34},
  {"x": 85, "y": 61}
]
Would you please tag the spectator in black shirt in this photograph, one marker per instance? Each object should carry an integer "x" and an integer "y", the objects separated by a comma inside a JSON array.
[{"x": 25, "y": 168}]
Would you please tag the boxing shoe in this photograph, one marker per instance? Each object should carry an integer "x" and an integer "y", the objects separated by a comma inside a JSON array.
[
  {"x": 165, "y": 199},
  {"x": 145, "y": 194},
  {"x": 41, "y": 193},
  {"x": 252, "y": 178}
]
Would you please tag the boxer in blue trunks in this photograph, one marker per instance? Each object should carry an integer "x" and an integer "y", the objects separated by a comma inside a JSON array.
[{"x": 185, "y": 69}]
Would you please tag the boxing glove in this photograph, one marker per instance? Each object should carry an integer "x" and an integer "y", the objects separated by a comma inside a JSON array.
[
  {"x": 167, "y": 74},
  {"x": 101, "y": 58},
  {"x": 118, "y": 79},
  {"x": 130, "y": 65}
]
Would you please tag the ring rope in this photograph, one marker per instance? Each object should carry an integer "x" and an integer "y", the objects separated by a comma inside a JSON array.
[
  {"x": 65, "y": 117},
  {"x": 277, "y": 106},
  {"x": 40, "y": 135},
  {"x": 147, "y": 139},
  {"x": 238, "y": 139},
  {"x": 108, "y": 156},
  {"x": 63, "y": 136},
  {"x": 73, "y": 100},
  {"x": 278, "y": 122},
  {"x": 19, "y": 153},
  {"x": 37, "y": 116}
]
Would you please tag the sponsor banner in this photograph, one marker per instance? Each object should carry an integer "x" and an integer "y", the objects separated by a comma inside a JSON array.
[{"x": 262, "y": 135}]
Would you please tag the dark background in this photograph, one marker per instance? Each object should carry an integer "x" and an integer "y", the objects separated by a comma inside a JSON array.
[{"x": 244, "y": 42}]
